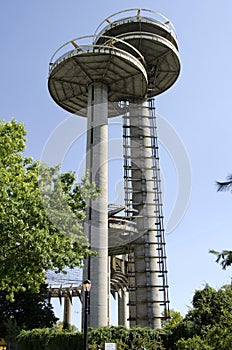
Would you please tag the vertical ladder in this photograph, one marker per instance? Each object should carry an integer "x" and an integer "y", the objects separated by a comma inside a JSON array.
[
  {"x": 161, "y": 244},
  {"x": 135, "y": 202}
]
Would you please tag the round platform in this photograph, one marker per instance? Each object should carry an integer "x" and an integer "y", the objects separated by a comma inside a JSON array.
[
  {"x": 161, "y": 57},
  {"x": 71, "y": 74},
  {"x": 122, "y": 232},
  {"x": 154, "y": 39},
  {"x": 137, "y": 20}
]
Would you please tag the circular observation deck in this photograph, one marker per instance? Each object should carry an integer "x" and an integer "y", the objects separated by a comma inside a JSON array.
[
  {"x": 73, "y": 70},
  {"x": 122, "y": 230},
  {"x": 154, "y": 38}
]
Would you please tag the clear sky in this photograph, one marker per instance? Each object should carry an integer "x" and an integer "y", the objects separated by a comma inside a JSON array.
[{"x": 198, "y": 108}]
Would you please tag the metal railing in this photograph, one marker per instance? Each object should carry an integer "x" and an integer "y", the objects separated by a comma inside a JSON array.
[
  {"x": 157, "y": 18},
  {"x": 64, "y": 51}
]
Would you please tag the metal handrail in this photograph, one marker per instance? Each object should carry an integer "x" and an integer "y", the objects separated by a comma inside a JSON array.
[
  {"x": 150, "y": 36},
  {"x": 109, "y": 43},
  {"x": 121, "y": 220},
  {"x": 161, "y": 19}
]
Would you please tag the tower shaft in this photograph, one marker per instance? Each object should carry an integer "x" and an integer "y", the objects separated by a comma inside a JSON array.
[
  {"x": 96, "y": 228},
  {"x": 143, "y": 195}
]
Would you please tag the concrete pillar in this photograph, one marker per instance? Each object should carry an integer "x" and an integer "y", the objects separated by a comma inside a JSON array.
[
  {"x": 96, "y": 226},
  {"x": 145, "y": 264},
  {"x": 132, "y": 294},
  {"x": 67, "y": 319},
  {"x": 123, "y": 310}
]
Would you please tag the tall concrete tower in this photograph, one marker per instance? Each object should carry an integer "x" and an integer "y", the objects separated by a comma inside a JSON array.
[{"x": 132, "y": 57}]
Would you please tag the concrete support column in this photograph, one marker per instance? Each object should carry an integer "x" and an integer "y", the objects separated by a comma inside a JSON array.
[
  {"x": 67, "y": 319},
  {"x": 123, "y": 310},
  {"x": 145, "y": 249},
  {"x": 131, "y": 292},
  {"x": 96, "y": 226}
]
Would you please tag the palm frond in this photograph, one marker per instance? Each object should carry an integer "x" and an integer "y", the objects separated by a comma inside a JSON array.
[
  {"x": 225, "y": 185},
  {"x": 224, "y": 257}
]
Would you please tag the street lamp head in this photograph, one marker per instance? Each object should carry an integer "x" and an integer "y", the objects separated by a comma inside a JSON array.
[{"x": 86, "y": 285}]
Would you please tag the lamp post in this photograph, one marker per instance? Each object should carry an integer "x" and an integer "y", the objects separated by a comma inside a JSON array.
[{"x": 86, "y": 288}]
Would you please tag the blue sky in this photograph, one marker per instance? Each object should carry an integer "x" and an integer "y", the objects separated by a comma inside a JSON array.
[{"x": 198, "y": 107}]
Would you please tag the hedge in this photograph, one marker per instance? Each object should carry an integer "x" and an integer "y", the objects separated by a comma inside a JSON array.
[{"x": 53, "y": 339}]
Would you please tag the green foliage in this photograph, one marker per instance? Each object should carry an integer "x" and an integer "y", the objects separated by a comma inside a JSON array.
[
  {"x": 220, "y": 338},
  {"x": 28, "y": 311},
  {"x": 11, "y": 331},
  {"x": 132, "y": 338},
  {"x": 207, "y": 325},
  {"x": 65, "y": 327},
  {"x": 212, "y": 307},
  {"x": 216, "y": 338},
  {"x": 41, "y": 213},
  {"x": 195, "y": 343},
  {"x": 52, "y": 339},
  {"x": 224, "y": 257},
  {"x": 173, "y": 321}
]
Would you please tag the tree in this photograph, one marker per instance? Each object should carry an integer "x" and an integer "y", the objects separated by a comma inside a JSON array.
[
  {"x": 169, "y": 329},
  {"x": 194, "y": 343},
  {"x": 173, "y": 321},
  {"x": 28, "y": 311},
  {"x": 41, "y": 214},
  {"x": 224, "y": 257},
  {"x": 203, "y": 325}
]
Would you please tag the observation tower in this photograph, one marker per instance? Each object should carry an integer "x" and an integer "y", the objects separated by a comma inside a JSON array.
[{"x": 131, "y": 58}]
